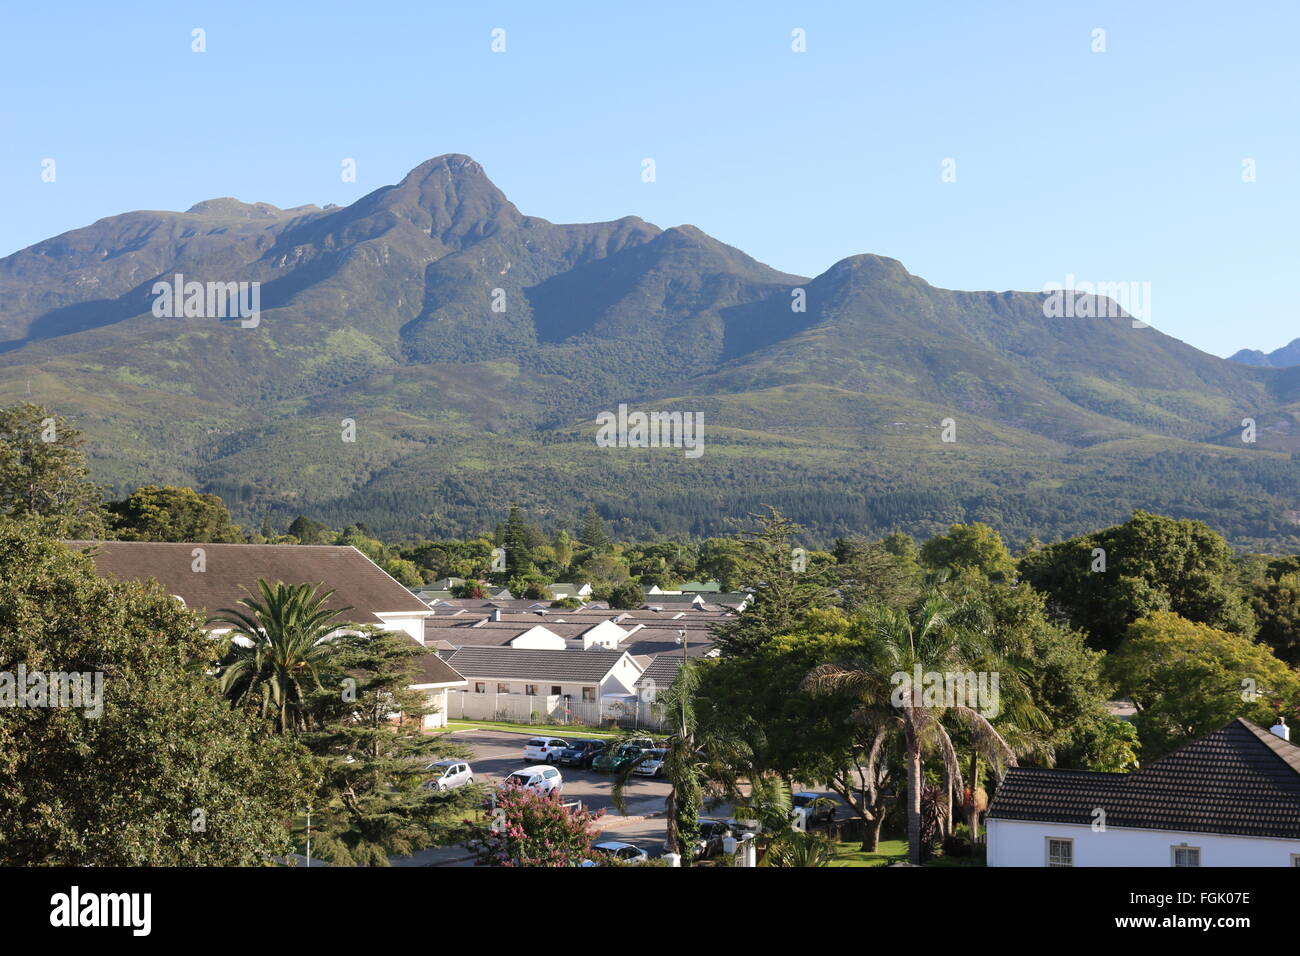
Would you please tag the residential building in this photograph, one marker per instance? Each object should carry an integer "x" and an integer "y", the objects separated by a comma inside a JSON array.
[{"x": 1231, "y": 798}]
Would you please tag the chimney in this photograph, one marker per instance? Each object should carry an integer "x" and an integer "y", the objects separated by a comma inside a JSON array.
[{"x": 1280, "y": 729}]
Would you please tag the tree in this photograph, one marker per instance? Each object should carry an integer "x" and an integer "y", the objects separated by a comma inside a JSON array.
[
  {"x": 683, "y": 765},
  {"x": 519, "y": 561},
  {"x": 592, "y": 533},
  {"x": 160, "y": 772},
  {"x": 785, "y": 588},
  {"x": 1187, "y": 679},
  {"x": 975, "y": 546},
  {"x": 308, "y": 531},
  {"x": 279, "y": 650},
  {"x": 626, "y": 596},
  {"x": 529, "y": 829},
  {"x": 934, "y": 638},
  {"x": 404, "y": 572},
  {"x": 43, "y": 473},
  {"x": 1106, "y": 580},
  {"x": 1276, "y": 604},
  {"x": 372, "y": 802},
  {"x": 869, "y": 573},
  {"x": 167, "y": 513}
]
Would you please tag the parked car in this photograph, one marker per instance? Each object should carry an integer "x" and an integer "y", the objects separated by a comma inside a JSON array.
[
  {"x": 652, "y": 765},
  {"x": 815, "y": 806},
  {"x": 544, "y": 749},
  {"x": 448, "y": 774},
  {"x": 580, "y": 753},
  {"x": 709, "y": 841},
  {"x": 615, "y": 760},
  {"x": 543, "y": 780},
  {"x": 623, "y": 852}
]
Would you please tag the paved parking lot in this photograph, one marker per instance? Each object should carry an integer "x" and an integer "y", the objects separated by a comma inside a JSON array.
[
  {"x": 495, "y": 753},
  {"x": 498, "y": 752}
]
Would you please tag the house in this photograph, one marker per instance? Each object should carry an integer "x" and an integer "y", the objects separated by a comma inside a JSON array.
[
  {"x": 1231, "y": 798},
  {"x": 582, "y": 675},
  {"x": 436, "y": 678},
  {"x": 701, "y": 587},
  {"x": 209, "y": 577},
  {"x": 564, "y": 685},
  {"x": 674, "y": 601},
  {"x": 561, "y": 589}
]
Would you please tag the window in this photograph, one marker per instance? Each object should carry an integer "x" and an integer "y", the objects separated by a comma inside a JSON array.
[
  {"x": 1295, "y": 859},
  {"x": 503, "y": 688},
  {"x": 1185, "y": 855},
  {"x": 1060, "y": 852},
  {"x": 556, "y": 690},
  {"x": 589, "y": 693},
  {"x": 530, "y": 690},
  {"x": 480, "y": 687}
]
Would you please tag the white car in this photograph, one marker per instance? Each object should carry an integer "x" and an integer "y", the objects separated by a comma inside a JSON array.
[
  {"x": 449, "y": 774},
  {"x": 544, "y": 749},
  {"x": 543, "y": 780},
  {"x": 624, "y": 852},
  {"x": 814, "y": 806},
  {"x": 652, "y": 765}
]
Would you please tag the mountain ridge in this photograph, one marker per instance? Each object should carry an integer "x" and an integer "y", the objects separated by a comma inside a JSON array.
[{"x": 453, "y": 325}]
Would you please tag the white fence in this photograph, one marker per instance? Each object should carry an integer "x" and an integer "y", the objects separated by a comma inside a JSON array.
[{"x": 523, "y": 709}]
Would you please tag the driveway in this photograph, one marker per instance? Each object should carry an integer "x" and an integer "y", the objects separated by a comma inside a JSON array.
[{"x": 497, "y": 752}]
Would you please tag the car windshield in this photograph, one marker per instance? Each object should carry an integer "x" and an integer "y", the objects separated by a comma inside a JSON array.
[{"x": 537, "y": 743}]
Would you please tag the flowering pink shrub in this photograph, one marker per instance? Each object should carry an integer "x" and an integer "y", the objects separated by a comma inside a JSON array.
[{"x": 528, "y": 829}]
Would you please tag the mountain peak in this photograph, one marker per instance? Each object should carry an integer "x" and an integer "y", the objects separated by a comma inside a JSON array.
[
  {"x": 230, "y": 207},
  {"x": 453, "y": 164},
  {"x": 1285, "y": 357}
]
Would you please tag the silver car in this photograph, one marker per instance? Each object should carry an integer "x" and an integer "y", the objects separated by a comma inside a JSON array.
[{"x": 448, "y": 774}]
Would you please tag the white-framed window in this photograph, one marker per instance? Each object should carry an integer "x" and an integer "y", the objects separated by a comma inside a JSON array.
[
  {"x": 503, "y": 688},
  {"x": 1295, "y": 859},
  {"x": 1060, "y": 851},
  {"x": 589, "y": 693},
  {"x": 530, "y": 690},
  {"x": 480, "y": 687},
  {"x": 556, "y": 690},
  {"x": 1184, "y": 855}
]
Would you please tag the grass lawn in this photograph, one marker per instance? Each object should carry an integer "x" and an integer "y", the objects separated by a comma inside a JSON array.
[
  {"x": 892, "y": 851},
  {"x": 569, "y": 732}
]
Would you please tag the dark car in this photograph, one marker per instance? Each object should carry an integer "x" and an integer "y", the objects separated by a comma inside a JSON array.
[
  {"x": 580, "y": 753},
  {"x": 614, "y": 762},
  {"x": 709, "y": 841}
]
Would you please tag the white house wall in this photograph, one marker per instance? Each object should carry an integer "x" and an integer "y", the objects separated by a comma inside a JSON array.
[{"x": 1022, "y": 843}]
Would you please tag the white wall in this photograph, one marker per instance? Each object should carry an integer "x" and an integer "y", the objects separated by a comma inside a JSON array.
[
  {"x": 410, "y": 624},
  {"x": 539, "y": 638},
  {"x": 1020, "y": 843}
]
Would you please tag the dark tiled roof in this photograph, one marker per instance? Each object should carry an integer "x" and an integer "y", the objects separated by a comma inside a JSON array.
[
  {"x": 661, "y": 670},
  {"x": 1241, "y": 779},
  {"x": 527, "y": 664},
  {"x": 434, "y": 670},
  {"x": 233, "y": 570}
]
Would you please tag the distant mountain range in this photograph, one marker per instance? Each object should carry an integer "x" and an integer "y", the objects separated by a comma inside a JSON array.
[
  {"x": 1287, "y": 356},
  {"x": 473, "y": 346}
]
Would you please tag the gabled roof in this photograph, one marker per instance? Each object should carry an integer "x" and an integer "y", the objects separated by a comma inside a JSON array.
[
  {"x": 662, "y": 671},
  {"x": 434, "y": 670},
  {"x": 1241, "y": 779},
  {"x": 526, "y": 664},
  {"x": 232, "y": 572}
]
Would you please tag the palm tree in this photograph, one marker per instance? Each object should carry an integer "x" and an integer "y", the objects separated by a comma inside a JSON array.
[
  {"x": 937, "y": 636},
  {"x": 800, "y": 849},
  {"x": 280, "y": 643}
]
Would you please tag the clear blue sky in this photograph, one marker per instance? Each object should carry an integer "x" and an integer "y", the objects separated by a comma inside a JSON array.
[{"x": 1117, "y": 166}]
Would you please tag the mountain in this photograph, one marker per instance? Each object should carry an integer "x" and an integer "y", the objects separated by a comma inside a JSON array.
[
  {"x": 473, "y": 347},
  {"x": 1288, "y": 356}
]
